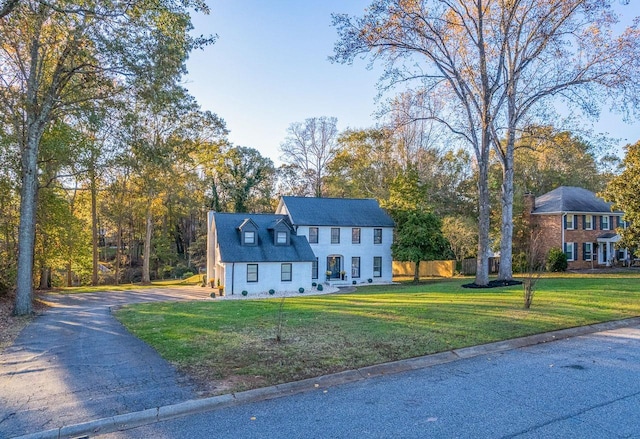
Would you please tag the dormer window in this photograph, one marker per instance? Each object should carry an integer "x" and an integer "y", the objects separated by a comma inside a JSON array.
[
  {"x": 281, "y": 233},
  {"x": 248, "y": 233},
  {"x": 249, "y": 237}
]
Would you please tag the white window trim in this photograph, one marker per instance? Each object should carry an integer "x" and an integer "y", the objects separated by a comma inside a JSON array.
[
  {"x": 572, "y": 225},
  {"x": 590, "y": 222}
]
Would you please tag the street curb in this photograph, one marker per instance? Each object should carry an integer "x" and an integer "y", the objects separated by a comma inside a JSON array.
[{"x": 150, "y": 416}]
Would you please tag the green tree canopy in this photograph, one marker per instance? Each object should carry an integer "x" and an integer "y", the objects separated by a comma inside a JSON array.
[
  {"x": 624, "y": 192},
  {"x": 418, "y": 238}
]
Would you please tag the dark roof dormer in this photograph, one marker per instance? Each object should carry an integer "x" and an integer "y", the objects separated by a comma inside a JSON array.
[
  {"x": 248, "y": 233},
  {"x": 281, "y": 232}
]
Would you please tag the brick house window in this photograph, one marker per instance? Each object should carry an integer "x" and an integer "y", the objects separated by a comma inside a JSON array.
[
  {"x": 569, "y": 222},
  {"x": 313, "y": 235},
  {"x": 604, "y": 222},
  {"x": 570, "y": 249},
  {"x": 587, "y": 251},
  {"x": 587, "y": 222}
]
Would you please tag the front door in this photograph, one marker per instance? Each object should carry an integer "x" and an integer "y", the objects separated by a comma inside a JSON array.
[{"x": 333, "y": 265}]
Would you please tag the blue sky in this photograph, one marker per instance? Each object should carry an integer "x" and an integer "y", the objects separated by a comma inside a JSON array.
[{"x": 269, "y": 68}]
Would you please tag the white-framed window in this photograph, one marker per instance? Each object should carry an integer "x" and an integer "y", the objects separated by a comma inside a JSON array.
[
  {"x": 588, "y": 222},
  {"x": 604, "y": 222},
  {"x": 335, "y": 235},
  {"x": 285, "y": 272},
  {"x": 570, "y": 249},
  {"x": 314, "y": 269},
  {"x": 249, "y": 237},
  {"x": 377, "y": 236},
  {"x": 355, "y": 235},
  {"x": 569, "y": 221},
  {"x": 252, "y": 272},
  {"x": 377, "y": 266},
  {"x": 281, "y": 237},
  {"x": 313, "y": 235}
]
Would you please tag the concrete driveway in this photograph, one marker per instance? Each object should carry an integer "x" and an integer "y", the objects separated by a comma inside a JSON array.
[{"x": 76, "y": 363}]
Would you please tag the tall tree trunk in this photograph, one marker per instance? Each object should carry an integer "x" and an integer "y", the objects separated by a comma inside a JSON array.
[
  {"x": 482, "y": 261},
  {"x": 45, "y": 278},
  {"x": 505, "y": 271},
  {"x": 146, "y": 278},
  {"x": 416, "y": 271},
  {"x": 27, "y": 227},
  {"x": 118, "y": 251},
  {"x": 94, "y": 226}
]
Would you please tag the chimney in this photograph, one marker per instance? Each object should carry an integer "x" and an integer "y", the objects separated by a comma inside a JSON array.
[
  {"x": 529, "y": 203},
  {"x": 529, "y": 206}
]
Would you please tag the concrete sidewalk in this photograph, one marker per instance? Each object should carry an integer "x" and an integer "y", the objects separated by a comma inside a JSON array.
[{"x": 127, "y": 421}]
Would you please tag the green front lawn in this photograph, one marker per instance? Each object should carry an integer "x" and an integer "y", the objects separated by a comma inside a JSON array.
[{"x": 231, "y": 344}]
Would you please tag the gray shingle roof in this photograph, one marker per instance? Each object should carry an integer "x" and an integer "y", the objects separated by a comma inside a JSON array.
[
  {"x": 570, "y": 199},
  {"x": 337, "y": 212},
  {"x": 231, "y": 250}
]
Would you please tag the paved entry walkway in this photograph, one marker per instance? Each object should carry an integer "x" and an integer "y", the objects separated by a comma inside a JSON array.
[{"x": 76, "y": 363}]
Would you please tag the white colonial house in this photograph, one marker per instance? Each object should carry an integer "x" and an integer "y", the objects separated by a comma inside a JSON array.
[
  {"x": 350, "y": 238},
  {"x": 308, "y": 240}
]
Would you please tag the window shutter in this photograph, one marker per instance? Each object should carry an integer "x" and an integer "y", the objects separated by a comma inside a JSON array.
[
  {"x": 575, "y": 251},
  {"x": 600, "y": 225},
  {"x": 611, "y": 223},
  {"x": 584, "y": 251},
  {"x": 584, "y": 222},
  {"x": 617, "y": 221},
  {"x": 564, "y": 219}
]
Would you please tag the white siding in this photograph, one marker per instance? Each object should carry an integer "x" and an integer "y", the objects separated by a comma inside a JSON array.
[
  {"x": 235, "y": 279},
  {"x": 366, "y": 250}
]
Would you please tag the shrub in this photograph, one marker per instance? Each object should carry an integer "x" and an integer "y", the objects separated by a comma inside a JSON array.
[
  {"x": 314, "y": 284},
  {"x": 245, "y": 292},
  {"x": 187, "y": 274},
  {"x": 353, "y": 282},
  {"x": 369, "y": 280},
  {"x": 319, "y": 287},
  {"x": 301, "y": 290},
  {"x": 272, "y": 291},
  {"x": 557, "y": 260}
]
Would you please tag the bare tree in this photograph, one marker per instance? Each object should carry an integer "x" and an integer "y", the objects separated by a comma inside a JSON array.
[
  {"x": 309, "y": 147},
  {"x": 561, "y": 48},
  {"x": 443, "y": 49},
  {"x": 485, "y": 68}
]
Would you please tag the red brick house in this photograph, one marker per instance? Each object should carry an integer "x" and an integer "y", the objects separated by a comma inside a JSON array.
[{"x": 579, "y": 222}]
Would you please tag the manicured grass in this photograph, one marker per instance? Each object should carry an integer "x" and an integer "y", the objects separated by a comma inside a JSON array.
[{"x": 230, "y": 345}]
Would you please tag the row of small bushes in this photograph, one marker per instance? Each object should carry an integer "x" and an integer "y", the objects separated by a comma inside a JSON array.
[{"x": 556, "y": 261}]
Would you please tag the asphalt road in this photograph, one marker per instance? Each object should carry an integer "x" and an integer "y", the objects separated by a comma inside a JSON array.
[
  {"x": 584, "y": 387},
  {"x": 76, "y": 363}
]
